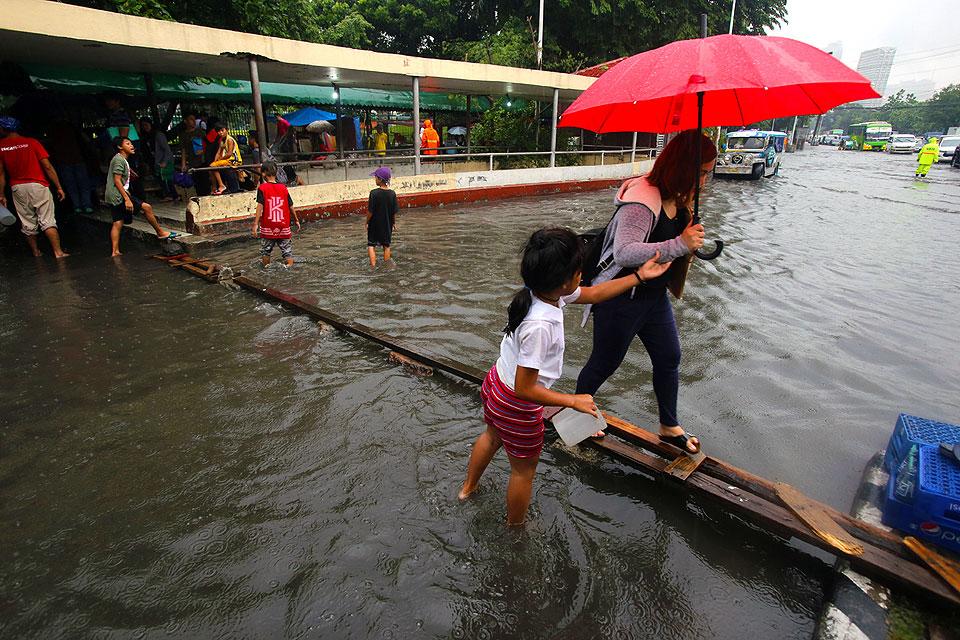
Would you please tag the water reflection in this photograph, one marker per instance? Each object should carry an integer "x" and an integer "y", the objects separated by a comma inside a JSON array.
[{"x": 180, "y": 460}]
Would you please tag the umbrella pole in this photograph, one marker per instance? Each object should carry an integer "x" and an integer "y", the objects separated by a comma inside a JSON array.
[{"x": 700, "y": 253}]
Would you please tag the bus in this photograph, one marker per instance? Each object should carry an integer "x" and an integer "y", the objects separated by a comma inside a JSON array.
[{"x": 871, "y": 136}]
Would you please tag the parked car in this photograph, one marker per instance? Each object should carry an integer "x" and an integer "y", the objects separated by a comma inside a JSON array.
[
  {"x": 901, "y": 143},
  {"x": 947, "y": 146},
  {"x": 919, "y": 144}
]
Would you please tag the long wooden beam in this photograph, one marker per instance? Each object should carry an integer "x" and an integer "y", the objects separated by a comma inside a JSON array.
[{"x": 747, "y": 495}]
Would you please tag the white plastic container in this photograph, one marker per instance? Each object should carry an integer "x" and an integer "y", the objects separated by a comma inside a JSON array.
[
  {"x": 574, "y": 427},
  {"x": 7, "y": 219}
]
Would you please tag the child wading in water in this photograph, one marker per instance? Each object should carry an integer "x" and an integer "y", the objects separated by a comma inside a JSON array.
[
  {"x": 531, "y": 359},
  {"x": 272, "y": 220},
  {"x": 381, "y": 216}
]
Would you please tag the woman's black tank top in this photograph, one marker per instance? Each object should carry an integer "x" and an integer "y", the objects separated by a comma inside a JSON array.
[{"x": 666, "y": 229}]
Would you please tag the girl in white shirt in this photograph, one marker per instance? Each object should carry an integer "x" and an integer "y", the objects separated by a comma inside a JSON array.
[{"x": 517, "y": 387}]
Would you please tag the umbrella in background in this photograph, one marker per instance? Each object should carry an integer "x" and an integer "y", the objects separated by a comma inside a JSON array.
[
  {"x": 320, "y": 126},
  {"x": 718, "y": 81},
  {"x": 457, "y": 131},
  {"x": 303, "y": 117}
]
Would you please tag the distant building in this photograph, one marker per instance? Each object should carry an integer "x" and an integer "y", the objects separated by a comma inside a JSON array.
[
  {"x": 875, "y": 64},
  {"x": 835, "y": 49}
]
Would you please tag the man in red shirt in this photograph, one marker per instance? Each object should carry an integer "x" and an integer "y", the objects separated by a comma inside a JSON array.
[{"x": 25, "y": 164}]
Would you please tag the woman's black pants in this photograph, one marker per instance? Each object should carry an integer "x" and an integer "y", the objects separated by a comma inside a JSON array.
[{"x": 649, "y": 316}]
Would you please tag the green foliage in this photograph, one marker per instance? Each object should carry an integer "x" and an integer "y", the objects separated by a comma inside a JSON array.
[
  {"x": 578, "y": 33},
  {"x": 904, "y": 112},
  {"x": 506, "y": 127}
]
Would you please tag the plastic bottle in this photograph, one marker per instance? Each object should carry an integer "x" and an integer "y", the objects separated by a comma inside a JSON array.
[{"x": 906, "y": 483}]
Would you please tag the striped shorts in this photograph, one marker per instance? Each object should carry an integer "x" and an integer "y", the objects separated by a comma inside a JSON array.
[{"x": 518, "y": 423}]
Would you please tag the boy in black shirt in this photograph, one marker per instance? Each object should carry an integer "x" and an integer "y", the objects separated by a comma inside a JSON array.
[{"x": 381, "y": 216}]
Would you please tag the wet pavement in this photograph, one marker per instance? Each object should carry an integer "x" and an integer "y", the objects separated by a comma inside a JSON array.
[{"x": 179, "y": 460}]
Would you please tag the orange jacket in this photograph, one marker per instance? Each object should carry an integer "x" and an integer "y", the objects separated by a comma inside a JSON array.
[{"x": 430, "y": 139}]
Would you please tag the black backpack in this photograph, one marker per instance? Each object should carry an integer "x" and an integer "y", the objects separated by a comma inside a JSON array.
[{"x": 592, "y": 242}]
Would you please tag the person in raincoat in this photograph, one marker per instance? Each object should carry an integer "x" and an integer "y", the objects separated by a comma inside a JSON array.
[
  {"x": 927, "y": 156},
  {"x": 430, "y": 139}
]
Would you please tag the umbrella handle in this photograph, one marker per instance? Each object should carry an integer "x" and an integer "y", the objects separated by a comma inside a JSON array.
[
  {"x": 703, "y": 255},
  {"x": 707, "y": 255}
]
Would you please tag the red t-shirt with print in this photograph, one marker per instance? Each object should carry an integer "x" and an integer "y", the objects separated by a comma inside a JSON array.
[
  {"x": 21, "y": 160},
  {"x": 276, "y": 201}
]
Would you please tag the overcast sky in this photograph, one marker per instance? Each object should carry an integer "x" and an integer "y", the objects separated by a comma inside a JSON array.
[{"x": 926, "y": 33}]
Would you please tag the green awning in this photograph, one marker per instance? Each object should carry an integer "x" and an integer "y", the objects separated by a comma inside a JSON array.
[{"x": 74, "y": 80}]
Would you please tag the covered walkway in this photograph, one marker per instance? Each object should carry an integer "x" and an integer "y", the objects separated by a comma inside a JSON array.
[{"x": 37, "y": 31}]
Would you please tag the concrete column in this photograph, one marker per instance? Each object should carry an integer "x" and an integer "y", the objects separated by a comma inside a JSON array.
[
  {"x": 258, "y": 106},
  {"x": 152, "y": 98},
  {"x": 339, "y": 124},
  {"x": 416, "y": 126},
  {"x": 469, "y": 121},
  {"x": 553, "y": 128}
]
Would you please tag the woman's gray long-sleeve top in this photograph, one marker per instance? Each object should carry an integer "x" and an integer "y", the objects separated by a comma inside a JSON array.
[{"x": 627, "y": 241}]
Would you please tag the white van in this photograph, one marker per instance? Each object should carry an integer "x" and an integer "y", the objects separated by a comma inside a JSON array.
[{"x": 751, "y": 153}]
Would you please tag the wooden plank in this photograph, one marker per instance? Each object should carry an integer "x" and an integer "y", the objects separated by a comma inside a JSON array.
[
  {"x": 417, "y": 368},
  {"x": 878, "y": 563},
  {"x": 685, "y": 464},
  {"x": 465, "y": 372},
  {"x": 197, "y": 271},
  {"x": 819, "y": 521},
  {"x": 755, "y": 484},
  {"x": 946, "y": 568}
]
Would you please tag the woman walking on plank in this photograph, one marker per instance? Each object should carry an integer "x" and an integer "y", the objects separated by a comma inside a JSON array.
[{"x": 652, "y": 216}]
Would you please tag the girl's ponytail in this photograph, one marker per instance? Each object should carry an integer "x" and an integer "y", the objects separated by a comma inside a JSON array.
[{"x": 518, "y": 309}]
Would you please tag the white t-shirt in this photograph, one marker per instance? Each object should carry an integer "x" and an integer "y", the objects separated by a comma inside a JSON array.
[{"x": 537, "y": 343}]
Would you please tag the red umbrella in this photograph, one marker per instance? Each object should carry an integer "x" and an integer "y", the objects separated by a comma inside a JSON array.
[
  {"x": 744, "y": 79},
  {"x": 721, "y": 80}
]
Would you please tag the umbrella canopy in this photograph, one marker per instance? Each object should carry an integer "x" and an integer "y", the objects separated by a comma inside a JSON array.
[
  {"x": 303, "y": 117},
  {"x": 457, "y": 131},
  {"x": 744, "y": 79},
  {"x": 320, "y": 126}
]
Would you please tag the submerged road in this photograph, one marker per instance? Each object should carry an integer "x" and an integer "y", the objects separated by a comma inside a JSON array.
[{"x": 177, "y": 460}]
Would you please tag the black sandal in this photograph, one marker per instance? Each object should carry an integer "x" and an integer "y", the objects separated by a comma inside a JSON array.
[{"x": 681, "y": 441}]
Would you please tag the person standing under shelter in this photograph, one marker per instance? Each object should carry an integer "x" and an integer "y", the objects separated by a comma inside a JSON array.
[
  {"x": 430, "y": 139},
  {"x": 380, "y": 141},
  {"x": 123, "y": 204},
  {"x": 25, "y": 164},
  {"x": 66, "y": 145}
]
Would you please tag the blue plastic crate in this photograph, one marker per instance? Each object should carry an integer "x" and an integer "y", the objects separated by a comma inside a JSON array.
[
  {"x": 933, "y": 513},
  {"x": 912, "y": 430},
  {"x": 938, "y": 492}
]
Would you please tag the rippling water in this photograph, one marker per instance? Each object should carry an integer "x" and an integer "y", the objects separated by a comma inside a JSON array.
[{"x": 178, "y": 460}]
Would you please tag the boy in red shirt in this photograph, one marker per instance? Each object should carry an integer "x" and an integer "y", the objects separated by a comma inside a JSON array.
[
  {"x": 272, "y": 220},
  {"x": 25, "y": 164}
]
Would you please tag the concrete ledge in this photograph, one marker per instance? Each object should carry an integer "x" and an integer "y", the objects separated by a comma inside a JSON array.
[{"x": 212, "y": 215}]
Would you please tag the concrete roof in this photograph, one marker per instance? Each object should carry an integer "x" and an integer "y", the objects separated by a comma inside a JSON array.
[{"x": 54, "y": 33}]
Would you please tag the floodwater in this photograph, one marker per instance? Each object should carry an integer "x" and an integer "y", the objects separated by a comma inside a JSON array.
[{"x": 179, "y": 460}]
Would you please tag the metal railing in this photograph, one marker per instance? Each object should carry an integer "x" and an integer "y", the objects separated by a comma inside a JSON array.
[{"x": 357, "y": 160}]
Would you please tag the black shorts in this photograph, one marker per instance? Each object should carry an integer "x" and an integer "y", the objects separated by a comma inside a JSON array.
[{"x": 120, "y": 212}]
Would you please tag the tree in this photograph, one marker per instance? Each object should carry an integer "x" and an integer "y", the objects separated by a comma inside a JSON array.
[{"x": 578, "y": 33}]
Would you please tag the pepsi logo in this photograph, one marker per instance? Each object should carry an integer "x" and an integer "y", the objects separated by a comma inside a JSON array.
[{"x": 930, "y": 528}]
